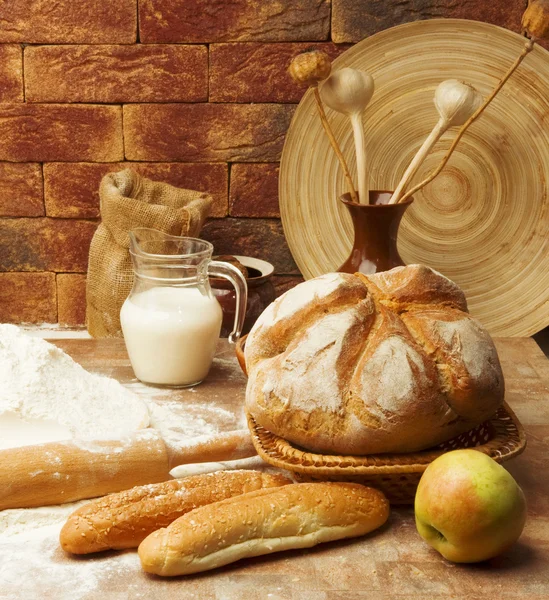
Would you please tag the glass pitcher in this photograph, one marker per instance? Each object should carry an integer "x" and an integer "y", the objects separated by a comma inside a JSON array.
[{"x": 171, "y": 321}]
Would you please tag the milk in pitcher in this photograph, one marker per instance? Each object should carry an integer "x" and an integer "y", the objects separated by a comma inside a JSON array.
[
  {"x": 171, "y": 321},
  {"x": 171, "y": 334}
]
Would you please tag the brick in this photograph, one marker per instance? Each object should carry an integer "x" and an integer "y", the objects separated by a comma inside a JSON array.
[
  {"x": 68, "y": 22},
  {"x": 206, "y": 132},
  {"x": 71, "y": 299},
  {"x": 28, "y": 298},
  {"x": 113, "y": 74},
  {"x": 21, "y": 193},
  {"x": 236, "y": 21},
  {"x": 254, "y": 190},
  {"x": 71, "y": 190},
  {"x": 59, "y": 132},
  {"x": 353, "y": 20},
  {"x": 59, "y": 245},
  {"x": 204, "y": 177},
  {"x": 259, "y": 238},
  {"x": 11, "y": 73},
  {"x": 258, "y": 72}
]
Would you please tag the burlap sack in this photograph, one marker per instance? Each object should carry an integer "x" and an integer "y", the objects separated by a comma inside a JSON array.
[{"x": 129, "y": 201}]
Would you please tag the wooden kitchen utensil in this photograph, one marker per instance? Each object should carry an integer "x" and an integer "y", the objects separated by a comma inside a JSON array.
[
  {"x": 56, "y": 473},
  {"x": 484, "y": 222}
]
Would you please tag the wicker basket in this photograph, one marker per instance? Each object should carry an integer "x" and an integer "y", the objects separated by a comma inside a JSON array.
[{"x": 397, "y": 475}]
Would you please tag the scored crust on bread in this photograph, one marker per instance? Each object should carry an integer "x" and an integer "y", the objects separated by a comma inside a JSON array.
[
  {"x": 355, "y": 364},
  {"x": 124, "y": 519},
  {"x": 294, "y": 516}
]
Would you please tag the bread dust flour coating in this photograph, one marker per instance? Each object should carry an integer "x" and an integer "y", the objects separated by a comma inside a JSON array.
[{"x": 355, "y": 364}]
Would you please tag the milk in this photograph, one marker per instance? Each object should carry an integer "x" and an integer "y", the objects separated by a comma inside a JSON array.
[{"x": 171, "y": 334}]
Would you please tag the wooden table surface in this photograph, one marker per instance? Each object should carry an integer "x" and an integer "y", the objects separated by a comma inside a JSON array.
[{"x": 391, "y": 563}]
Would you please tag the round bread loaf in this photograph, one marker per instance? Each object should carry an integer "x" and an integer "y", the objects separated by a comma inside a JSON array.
[{"x": 355, "y": 364}]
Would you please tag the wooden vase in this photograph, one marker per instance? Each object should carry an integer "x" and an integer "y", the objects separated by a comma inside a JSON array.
[{"x": 376, "y": 231}]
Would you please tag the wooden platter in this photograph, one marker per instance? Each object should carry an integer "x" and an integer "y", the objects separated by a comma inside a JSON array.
[{"x": 484, "y": 222}]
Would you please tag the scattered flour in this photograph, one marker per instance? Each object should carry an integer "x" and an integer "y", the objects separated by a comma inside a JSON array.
[
  {"x": 43, "y": 388},
  {"x": 33, "y": 564},
  {"x": 34, "y": 523},
  {"x": 42, "y": 383},
  {"x": 188, "y": 420},
  {"x": 35, "y": 567}
]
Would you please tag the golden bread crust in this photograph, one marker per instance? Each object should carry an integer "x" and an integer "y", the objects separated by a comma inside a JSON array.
[
  {"x": 268, "y": 520},
  {"x": 354, "y": 364}
]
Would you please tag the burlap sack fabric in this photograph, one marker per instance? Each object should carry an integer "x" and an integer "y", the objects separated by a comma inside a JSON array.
[{"x": 127, "y": 201}]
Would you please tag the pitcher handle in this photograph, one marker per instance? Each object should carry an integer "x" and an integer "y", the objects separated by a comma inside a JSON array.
[{"x": 227, "y": 271}]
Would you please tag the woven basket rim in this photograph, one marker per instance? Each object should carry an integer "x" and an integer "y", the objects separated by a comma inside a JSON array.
[{"x": 509, "y": 441}]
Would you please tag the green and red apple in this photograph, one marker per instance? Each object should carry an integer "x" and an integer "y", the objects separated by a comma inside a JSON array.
[{"x": 468, "y": 507}]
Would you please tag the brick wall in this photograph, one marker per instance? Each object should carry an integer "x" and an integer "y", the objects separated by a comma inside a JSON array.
[{"x": 192, "y": 92}]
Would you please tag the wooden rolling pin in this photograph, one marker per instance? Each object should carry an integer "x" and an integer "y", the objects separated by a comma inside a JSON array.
[{"x": 60, "y": 472}]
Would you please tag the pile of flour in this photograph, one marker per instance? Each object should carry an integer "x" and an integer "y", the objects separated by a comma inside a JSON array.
[{"x": 46, "y": 396}]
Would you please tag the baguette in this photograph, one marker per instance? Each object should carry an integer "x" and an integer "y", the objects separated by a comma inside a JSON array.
[
  {"x": 261, "y": 522},
  {"x": 124, "y": 519}
]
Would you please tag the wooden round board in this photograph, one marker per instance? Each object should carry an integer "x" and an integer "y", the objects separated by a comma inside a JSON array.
[{"x": 484, "y": 222}]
